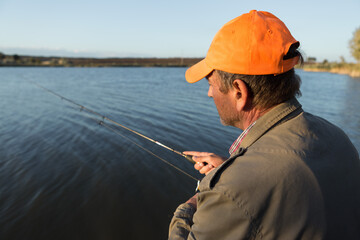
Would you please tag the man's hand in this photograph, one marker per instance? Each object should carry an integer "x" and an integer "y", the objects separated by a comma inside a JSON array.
[
  {"x": 193, "y": 201},
  {"x": 205, "y": 162}
]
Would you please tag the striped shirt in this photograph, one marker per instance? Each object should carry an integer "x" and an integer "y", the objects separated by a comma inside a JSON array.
[{"x": 237, "y": 142}]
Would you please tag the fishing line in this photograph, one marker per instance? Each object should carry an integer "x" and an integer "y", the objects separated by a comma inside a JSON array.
[{"x": 102, "y": 123}]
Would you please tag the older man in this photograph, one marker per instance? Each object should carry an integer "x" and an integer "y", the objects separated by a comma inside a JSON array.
[{"x": 290, "y": 175}]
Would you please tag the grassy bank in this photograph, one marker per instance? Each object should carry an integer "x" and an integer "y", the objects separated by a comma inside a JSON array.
[{"x": 351, "y": 69}]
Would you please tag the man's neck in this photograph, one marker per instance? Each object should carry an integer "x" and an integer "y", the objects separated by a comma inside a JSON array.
[{"x": 251, "y": 116}]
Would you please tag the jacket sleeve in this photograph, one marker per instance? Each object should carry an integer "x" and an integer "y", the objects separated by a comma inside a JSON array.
[
  {"x": 181, "y": 222},
  {"x": 217, "y": 217}
]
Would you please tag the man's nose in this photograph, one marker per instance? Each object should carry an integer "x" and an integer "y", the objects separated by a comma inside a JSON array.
[{"x": 210, "y": 92}]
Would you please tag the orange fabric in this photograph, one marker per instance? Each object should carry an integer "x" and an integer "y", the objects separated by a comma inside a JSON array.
[{"x": 253, "y": 44}]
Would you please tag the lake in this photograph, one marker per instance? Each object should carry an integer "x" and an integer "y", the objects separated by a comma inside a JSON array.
[{"x": 63, "y": 176}]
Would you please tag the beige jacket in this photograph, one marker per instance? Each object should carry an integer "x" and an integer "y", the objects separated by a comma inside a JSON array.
[{"x": 295, "y": 176}]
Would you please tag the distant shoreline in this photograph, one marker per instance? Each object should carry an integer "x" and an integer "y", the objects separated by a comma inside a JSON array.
[
  {"x": 36, "y": 61},
  {"x": 350, "y": 69}
]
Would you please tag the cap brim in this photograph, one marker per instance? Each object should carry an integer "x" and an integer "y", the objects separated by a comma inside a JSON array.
[{"x": 198, "y": 72}]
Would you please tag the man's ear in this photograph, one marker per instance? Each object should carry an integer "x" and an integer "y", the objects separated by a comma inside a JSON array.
[{"x": 241, "y": 94}]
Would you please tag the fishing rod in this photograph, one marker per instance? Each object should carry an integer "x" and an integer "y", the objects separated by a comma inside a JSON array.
[{"x": 102, "y": 123}]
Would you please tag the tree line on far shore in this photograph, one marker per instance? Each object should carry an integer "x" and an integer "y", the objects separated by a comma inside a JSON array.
[{"x": 18, "y": 60}]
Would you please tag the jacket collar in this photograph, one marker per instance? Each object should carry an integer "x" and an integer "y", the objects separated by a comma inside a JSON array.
[{"x": 278, "y": 114}]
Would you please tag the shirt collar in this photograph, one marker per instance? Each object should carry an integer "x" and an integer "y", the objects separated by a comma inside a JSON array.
[{"x": 237, "y": 142}]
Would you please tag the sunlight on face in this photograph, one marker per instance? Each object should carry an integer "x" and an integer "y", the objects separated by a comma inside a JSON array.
[{"x": 223, "y": 102}]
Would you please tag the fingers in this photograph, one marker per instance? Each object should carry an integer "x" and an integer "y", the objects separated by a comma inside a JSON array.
[
  {"x": 200, "y": 165},
  {"x": 204, "y": 169},
  {"x": 197, "y": 154},
  {"x": 205, "y": 161},
  {"x": 209, "y": 158}
]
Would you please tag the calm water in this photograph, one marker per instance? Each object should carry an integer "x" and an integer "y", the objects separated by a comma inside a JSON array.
[{"x": 62, "y": 176}]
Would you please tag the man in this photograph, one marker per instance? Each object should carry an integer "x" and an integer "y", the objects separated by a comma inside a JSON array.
[{"x": 290, "y": 175}]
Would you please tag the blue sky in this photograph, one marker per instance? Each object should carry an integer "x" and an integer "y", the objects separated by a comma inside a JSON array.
[{"x": 110, "y": 28}]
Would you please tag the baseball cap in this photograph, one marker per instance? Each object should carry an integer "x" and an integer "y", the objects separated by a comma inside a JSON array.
[{"x": 255, "y": 43}]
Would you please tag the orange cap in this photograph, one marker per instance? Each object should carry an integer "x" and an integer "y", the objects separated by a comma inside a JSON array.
[{"x": 252, "y": 44}]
